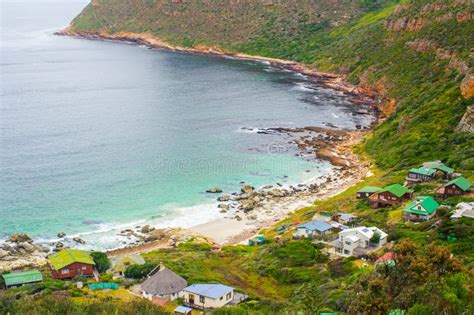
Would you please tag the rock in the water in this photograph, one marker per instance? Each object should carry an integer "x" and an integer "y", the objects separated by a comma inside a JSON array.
[
  {"x": 79, "y": 240},
  {"x": 19, "y": 237},
  {"x": 147, "y": 229},
  {"x": 214, "y": 190},
  {"x": 224, "y": 198},
  {"x": 247, "y": 189},
  {"x": 59, "y": 245},
  {"x": 61, "y": 234},
  {"x": 223, "y": 206}
]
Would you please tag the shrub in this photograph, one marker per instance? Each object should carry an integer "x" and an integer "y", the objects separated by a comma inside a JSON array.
[
  {"x": 139, "y": 271},
  {"x": 101, "y": 260}
]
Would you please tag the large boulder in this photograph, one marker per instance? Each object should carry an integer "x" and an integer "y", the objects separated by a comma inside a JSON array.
[
  {"x": 79, "y": 240},
  {"x": 27, "y": 247},
  {"x": 224, "y": 198},
  {"x": 147, "y": 229},
  {"x": 247, "y": 189},
  {"x": 214, "y": 190},
  {"x": 20, "y": 237}
]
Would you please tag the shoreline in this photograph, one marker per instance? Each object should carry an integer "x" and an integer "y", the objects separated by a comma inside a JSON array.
[
  {"x": 334, "y": 146},
  {"x": 358, "y": 94}
]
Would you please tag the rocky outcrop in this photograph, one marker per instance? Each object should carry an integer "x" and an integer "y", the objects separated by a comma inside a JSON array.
[
  {"x": 467, "y": 121},
  {"x": 19, "y": 251}
]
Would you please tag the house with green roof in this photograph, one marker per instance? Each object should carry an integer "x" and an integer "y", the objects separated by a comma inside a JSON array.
[
  {"x": 16, "y": 279},
  {"x": 422, "y": 209},
  {"x": 389, "y": 195},
  {"x": 420, "y": 175},
  {"x": 69, "y": 263},
  {"x": 456, "y": 187},
  {"x": 366, "y": 191},
  {"x": 440, "y": 169}
]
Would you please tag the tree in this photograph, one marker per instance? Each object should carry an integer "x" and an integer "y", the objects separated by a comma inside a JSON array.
[
  {"x": 101, "y": 260},
  {"x": 375, "y": 239}
]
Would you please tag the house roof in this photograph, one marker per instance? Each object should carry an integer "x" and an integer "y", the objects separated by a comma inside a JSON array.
[
  {"x": 346, "y": 216},
  {"x": 164, "y": 282},
  {"x": 316, "y": 225},
  {"x": 428, "y": 204},
  {"x": 121, "y": 263},
  {"x": 69, "y": 256},
  {"x": 385, "y": 258},
  {"x": 369, "y": 189},
  {"x": 397, "y": 189},
  {"x": 213, "y": 291},
  {"x": 442, "y": 167},
  {"x": 16, "y": 278},
  {"x": 366, "y": 231},
  {"x": 353, "y": 238},
  {"x": 461, "y": 182},
  {"x": 423, "y": 171}
]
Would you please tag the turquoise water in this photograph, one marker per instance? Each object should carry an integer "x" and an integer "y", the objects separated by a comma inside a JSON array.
[{"x": 97, "y": 135}]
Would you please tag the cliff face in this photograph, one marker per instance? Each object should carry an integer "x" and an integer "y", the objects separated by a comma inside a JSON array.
[{"x": 414, "y": 55}]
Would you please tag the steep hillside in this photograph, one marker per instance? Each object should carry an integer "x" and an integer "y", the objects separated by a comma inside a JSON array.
[{"x": 413, "y": 55}]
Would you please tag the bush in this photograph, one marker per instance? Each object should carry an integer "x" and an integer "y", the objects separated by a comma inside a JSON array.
[
  {"x": 139, "y": 271},
  {"x": 101, "y": 260}
]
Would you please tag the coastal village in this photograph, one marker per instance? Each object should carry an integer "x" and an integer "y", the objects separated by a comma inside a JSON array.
[{"x": 339, "y": 235}]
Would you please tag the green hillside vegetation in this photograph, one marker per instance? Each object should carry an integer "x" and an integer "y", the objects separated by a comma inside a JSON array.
[{"x": 413, "y": 52}]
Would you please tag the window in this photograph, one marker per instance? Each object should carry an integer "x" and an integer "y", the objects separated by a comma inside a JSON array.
[
  {"x": 84, "y": 267},
  {"x": 346, "y": 252},
  {"x": 221, "y": 298},
  {"x": 202, "y": 299},
  {"x": 65, "y": 271},
  {"x": 348, "y": 243},
  {"x": 229, "y": 295}
]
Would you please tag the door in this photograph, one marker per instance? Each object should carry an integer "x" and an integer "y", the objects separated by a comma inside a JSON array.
[{"x": 191, "y": 299}]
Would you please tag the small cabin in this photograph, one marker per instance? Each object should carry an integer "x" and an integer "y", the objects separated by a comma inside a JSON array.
[
  {"x": 163, "y": 285},
  {"x": 441, "y": 169},
  {"x": 344, "y": 218},
  {"x": 457, "y": 187},
  {"x": 422, "y": 209},
  {"x": 17, "y": 279},
  {"x": 390, "y": 195},
  {"x": 70, "y": 263},
  {"x": 367, "y": 191},
  {"x": 420, "y": 175},
  {"x": 121, "y": 263},
  {"x": 257, "y": 240},
  {"x": 312, "y": 229},
  {"x": 208, "y": 296}
]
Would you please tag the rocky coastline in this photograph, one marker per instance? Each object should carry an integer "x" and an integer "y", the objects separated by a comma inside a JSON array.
[{"x": 358, "y": 94}]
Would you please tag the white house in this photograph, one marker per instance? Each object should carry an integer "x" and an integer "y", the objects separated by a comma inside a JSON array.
[
  {"x": 163, "y": 284},
  {"x": 356, "y": 241},
  {"x": 312, "y": 229},
  {"x": 208, "y": 296}
]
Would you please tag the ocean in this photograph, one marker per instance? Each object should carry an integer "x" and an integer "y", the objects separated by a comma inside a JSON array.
[{"x": 98, "y": 136}]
